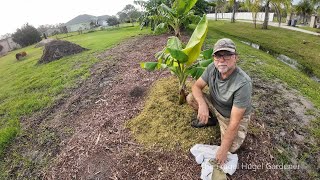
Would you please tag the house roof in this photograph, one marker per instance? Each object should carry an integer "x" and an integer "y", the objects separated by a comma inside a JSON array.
[
  {"x": 104, "y": 17},
  {"x": 84, "y": 18},
  {"x": 81, "y": 19}
]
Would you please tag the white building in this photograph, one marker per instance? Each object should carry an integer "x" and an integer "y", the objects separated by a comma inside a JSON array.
[{"x": 8, "y": 45}]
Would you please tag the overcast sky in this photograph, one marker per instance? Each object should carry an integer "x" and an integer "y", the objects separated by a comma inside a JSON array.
[{"x": 15, "y": 13}]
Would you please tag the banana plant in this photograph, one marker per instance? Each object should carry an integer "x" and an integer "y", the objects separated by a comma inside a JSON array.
[
  {"x": 184, "y": 61},
  {"x": 178, "y": 15}
]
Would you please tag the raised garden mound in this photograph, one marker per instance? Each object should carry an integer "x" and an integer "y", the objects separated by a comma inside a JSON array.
[
  {"x": 57, "y": 49},
  {"x": 43, "y": 42}
]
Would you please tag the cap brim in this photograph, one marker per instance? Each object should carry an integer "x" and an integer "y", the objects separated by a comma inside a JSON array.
[{"x": 225, "y": 49}]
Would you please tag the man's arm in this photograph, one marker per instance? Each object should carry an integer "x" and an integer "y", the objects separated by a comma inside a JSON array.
[
  {"x": 203, "y": 112},
  {"x": 230, "y": 134}
]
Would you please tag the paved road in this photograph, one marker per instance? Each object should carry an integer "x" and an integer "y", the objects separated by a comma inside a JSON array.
[{"x": 283, "y": 25}]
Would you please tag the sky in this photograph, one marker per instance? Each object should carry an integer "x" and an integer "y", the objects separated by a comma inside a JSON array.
[{"x": 15, "y": 13}]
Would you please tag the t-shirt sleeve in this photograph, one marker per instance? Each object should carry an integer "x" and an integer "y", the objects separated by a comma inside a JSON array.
[
  {"x": 205, "y": 75},
  {"x": 242, "y": 97}
]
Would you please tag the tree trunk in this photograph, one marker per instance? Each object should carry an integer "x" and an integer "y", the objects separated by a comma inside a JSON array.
[
  {"x": 234, "y": 11},
  {"x": 183, "y": 95},
  {"x": 266, "y": 17},
  {"x": 280, "y": 21},
  {"x": 255, "y": 20},
  {"x": 216, "y": 12},
  {"x": 177, "y": 32}
]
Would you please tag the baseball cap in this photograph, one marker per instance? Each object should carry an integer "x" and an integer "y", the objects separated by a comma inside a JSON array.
[{"x": 224, "y": 44}]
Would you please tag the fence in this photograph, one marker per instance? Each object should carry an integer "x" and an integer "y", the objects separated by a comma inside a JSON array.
[{"x": 240, "y": 15}]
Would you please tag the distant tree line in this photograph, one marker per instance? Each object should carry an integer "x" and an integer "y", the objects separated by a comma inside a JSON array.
[
  {"x": 26, "y": 35},
  {"x": 129, "y": 14}
]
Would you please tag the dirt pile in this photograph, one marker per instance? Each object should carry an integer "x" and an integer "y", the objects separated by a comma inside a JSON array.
[
  {"x": 57, "y": 49},
  {"x": 43, "y": 42}
]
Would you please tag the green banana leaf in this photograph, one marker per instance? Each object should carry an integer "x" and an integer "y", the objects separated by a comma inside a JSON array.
[
  {"x": 178, "y": 55},
  {"x": 183, "y": 6},
  {"x": 150, "y": 66},
  {"x": 174, "y": 43},
  {"x": 207, "y": 54},
  {"x": 193, "y": 48},
  {"x": 205, "y": 63},
  {"x": 196, "y": 72}
]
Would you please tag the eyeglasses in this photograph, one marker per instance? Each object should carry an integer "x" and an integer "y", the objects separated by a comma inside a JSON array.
[{"x": 225, "y": 57}]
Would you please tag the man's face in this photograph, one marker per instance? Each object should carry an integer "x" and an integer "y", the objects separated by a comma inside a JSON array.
[{"x": 225, "y": 61}]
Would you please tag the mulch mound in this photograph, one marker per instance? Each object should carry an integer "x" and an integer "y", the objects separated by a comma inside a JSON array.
[
  {"x": 57, "y": 49},
  {"x": 43, "y": 42}
]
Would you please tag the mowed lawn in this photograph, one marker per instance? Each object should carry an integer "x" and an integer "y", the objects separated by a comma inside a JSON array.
[
  {"x": 26, "y": 87},
  {"x": 305, "y": 48}
]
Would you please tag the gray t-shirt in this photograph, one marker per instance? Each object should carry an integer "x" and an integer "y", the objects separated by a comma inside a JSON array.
[{"x": 234, "y": 90}]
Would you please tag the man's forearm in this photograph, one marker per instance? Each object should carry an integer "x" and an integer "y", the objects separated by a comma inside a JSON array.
[
  {"x": 198, "y": 95},
  {"x": 232, "y": 129},
  {"x": 229, "y": 137}
]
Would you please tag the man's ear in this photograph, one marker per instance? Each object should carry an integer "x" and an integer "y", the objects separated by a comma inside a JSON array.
[{"x": 237, "y": 57}]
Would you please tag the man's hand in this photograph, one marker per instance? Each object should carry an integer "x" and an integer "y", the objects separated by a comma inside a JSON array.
[
  {"x": 221, "y": 156},
  {"x": 203, "y": 113}
]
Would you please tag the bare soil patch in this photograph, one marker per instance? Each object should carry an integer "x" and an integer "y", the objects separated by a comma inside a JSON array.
[{"x": 83, "y": 135}]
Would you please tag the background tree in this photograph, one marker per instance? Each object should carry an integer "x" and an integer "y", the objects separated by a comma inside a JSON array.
[
  {"x": 1, "y": 47},
  {"x": 43, "y": 28},
  {"x": 266, "y": 15},
  {"x": 304, "y": 8},
  {"x": 5, "y": 36},
  {"x": 113, "y": 21},
  {"x": 122, "y": 16},
  {"x": 129, "y": 13},
  {"x": 267, "y": 9},
  {"x": 201, "y": 7},
  {"x": 179, "y": 15},
  {"x": 63, "y": 29},
  {"x": 234, "y": 5},
  {"x": 281, "y": 8},
  {"x": 254, "y": 7},
  {"x": 151, "y": 15},
  {"x": 316, "y": 4},
  {"x": 219, "y": 7},
  {"x": 26, "y": 36},
  {"x": 92, "y": 24}
]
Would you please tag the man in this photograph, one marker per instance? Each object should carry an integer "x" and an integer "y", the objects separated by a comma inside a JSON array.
[{"x": 229, "y": 99}]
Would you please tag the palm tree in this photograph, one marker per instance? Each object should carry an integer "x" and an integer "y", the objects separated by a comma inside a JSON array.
[
  {"x": 219, "y": 4},
  {"x": 305, "y": 8},
  {"x": 267, "y": 8},
  {"x": 233, "y": 3},
  {"x": 253, "y": 6},
  {"x": 280, "y": 7}
]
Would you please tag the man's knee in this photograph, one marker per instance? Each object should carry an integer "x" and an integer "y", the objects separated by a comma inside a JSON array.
[
  {"x": 190, "y": 99},
  {"x": 238, "y": 141}
]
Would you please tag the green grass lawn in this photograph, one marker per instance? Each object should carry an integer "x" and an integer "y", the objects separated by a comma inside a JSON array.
[
  {"x": 26, "y": 87},
  {"x": 304, "y": 48},
  {"x": 310, "y": 29}
]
